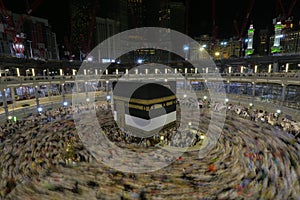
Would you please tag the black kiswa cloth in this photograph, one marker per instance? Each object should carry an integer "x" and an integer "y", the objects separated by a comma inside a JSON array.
[{"x": 146, "y": 100}]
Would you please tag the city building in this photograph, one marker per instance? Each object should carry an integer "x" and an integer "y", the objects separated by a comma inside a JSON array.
[
  {"x": 289, "y": 42},
  {"x": 172, "y": 15},
  {"x": 263, "y": 42},
  {"x": 106, "y": 28},
  {"x": 37, "y": 38},
  {"x": 136, "y": 13}
]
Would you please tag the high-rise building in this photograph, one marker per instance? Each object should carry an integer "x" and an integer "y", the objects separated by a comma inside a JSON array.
[
  {"x": 289, "y": 42},
  {"x": 277, "y": 48},
  {"x": 136, "y": 13},
  {"x": 263, "y": 42},
  {"x": 106, "y": 28},
  {"x": 177, "y": 17},
  {"x": 172, "y": 15},
  {"x": 116, "y": 10},
  {"x": 250, "y": 50},
  {"x": 81, "y": 13}
]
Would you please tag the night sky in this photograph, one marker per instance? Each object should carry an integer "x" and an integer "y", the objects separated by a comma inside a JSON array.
[{"x": 200, "y": 14}]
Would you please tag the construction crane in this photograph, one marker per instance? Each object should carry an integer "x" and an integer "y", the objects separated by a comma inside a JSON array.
[
  {"x": 286, "y": 18},
  {"x": 241, "y": 33},
  {"x": 12, "y": 29},
  {"x": 187, "y": 16}
]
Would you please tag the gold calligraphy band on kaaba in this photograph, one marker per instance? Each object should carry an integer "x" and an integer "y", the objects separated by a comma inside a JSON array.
[{"x": 146, "y": 102}]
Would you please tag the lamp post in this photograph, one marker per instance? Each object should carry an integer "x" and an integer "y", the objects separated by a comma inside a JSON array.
[{"x": 107, "y": 92}]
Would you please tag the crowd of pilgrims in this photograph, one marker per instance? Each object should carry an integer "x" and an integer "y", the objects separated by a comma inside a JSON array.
[
  {"x": 261, "y": 116},
  {"x": 33, "y": 146}
]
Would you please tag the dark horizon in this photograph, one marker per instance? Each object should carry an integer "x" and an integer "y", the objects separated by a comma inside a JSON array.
[{"x": 200, "y": 15}]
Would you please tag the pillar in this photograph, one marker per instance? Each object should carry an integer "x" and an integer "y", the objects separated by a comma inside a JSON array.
[
  {"x": 13, "y": 96},
  {"x": 228, "y": 87},
  {"x": 283, "y": 94},
  {"x": 4, "y": 102},
  {"x": 275, "y": 67},
  {"x": 37, "y": 99},
  {"x": 185, "y": 85},
  {"x": 63, "y": 92},
  {"x": 253, "y": 92},
  {"x": 86, "y": 90},
  {"x": 107, "y": 92},
  {"x": 48, "y": 90}
]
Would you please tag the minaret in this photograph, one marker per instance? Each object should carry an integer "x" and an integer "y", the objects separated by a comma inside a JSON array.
[
  {"x": 250, "y": 49},
  {"x": 276, "y": 46}
]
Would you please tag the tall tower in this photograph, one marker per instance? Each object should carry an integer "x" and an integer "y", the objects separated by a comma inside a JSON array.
[
  {"x": 81, "y": 13},
  {"x": 136, "y": 13},
  {"x": 276, "y": 46},
  {"x": 250, "y": 50}
]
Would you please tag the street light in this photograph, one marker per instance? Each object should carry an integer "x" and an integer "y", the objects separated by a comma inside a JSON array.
[
  {"x": 40, "y": 109},
  {"x": 186, "y": 48},
  {"x": 65, "y": 103}
]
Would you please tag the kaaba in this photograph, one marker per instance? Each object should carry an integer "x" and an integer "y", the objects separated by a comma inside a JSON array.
[{"x": 144, "y": 107}]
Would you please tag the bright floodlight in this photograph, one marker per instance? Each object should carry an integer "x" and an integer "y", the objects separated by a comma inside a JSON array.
[
  {"x": 226, "y": 100},
  {"x": 186, "y": 48},
  {"x": 40, "y": 109},
  {"x": 223, "y": 43},
  {"x": 278, "y": 111},
  {"x": 190, "y": 123},
  {"x": 202, "y": 137},
  {"x": 205, "y": 97},
  {"x": 166, "y": 80},
  {"x": 9, "y": 117},
  {"x": 162, "y": 137},
  {"x": 108, "y": 97},
  {"x": 250, "y": 104},
  {"x": 65, "y": 103},
  {"x": 140, "y": 61},
  {"x": 90, "y": 59},
  {"x": 87, "y": 99},
  {"x": 184, "y": 96}
]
